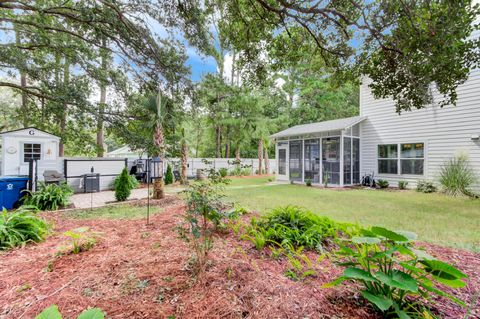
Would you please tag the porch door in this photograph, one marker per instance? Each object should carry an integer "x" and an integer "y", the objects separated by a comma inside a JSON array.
[
  {"x": 282, "y": 170},
  {"x": 331, "y": 160}
]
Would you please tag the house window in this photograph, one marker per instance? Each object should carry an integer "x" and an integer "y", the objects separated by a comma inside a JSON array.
[
  {"x": 412, "y": 158},
  {"x": 388, "y": 159},
  {"x": 31, "y": 151},
  {"x": 409, "y": 161}
]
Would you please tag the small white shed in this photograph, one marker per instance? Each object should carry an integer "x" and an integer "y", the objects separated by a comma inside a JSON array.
[{"x": 19, "y": 146}]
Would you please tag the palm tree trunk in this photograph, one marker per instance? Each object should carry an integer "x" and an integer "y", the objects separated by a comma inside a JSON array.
[
  {"x": 184, "y": 162},
  {"x": 260, "y": 156},
  {"x": 237, "y": 153},
  {"x": 158, "y": 184},
  {"x": 267, "y": 162}
]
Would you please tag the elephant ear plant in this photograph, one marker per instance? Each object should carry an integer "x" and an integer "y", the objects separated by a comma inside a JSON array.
[{"x": 396, "y": 278}]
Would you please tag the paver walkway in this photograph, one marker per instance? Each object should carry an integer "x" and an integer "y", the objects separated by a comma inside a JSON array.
[{"x": 87, "y": 200}]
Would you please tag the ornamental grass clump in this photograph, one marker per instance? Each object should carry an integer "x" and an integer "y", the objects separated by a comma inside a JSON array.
[
  {"x": 49, "y": 196},
  {"x": 21, "y": 227},
  {"x": 398, "y": 279},
  {"x": 124, "y": 184},
  {"x": 457, "y": 176}
]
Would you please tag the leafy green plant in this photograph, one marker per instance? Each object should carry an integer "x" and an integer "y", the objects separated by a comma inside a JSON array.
[
  {"x": 205, "y": 212},
  {"x": 246, "y": 171},
  {"x": 169, "y": 175},
  {"x": 298, "y": 227},
  {"x": 402, "y": 184},
  {"x": 124, "y": 183},
  {"x": 81, "y": 239},
  {"x": 20, "y": 227},
  {"x": 49, "y": 196},
  {"x": 308, "y": 182},
  {"x": 300, "y": 265},
  {"x": 382, "y": 183},
  {"x": 426, "y": 187},
  {"x": 53, "y": 313},
  {"x": 396, "y": 278},
  {"x": 457, "y": 176},
  {"x": 223, "y": 172}
]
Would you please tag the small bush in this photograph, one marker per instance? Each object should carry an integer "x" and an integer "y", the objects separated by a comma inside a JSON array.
[
  {"x": 298, "y": 227},
  {"x": 246, "y": 171},
  {"x": 456, "y": 177},
  {"x": 393, "y": 272},
  {"x": 382, "y": 183},
  {"x": 124, "y": 183},
  {"x": 402, "y": 184},
  {"x": 49, "y": 196},
  {"x": 308, "y": 182},
  {"x": 426, "y": 187},
  {"x": 223, "y": 172},
  {"x": 20, "y": 227},
  {"x": 81, "y": 239},
  {"x": 169, "y": 175}
]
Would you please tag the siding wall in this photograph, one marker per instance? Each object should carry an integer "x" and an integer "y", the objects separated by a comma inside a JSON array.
[{"x": 445, "y": 131}]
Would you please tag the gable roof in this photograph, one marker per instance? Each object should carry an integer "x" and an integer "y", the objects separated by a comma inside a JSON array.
[
  {"x": 319, "y": 127},
  {"x": 26, "y": 129}
]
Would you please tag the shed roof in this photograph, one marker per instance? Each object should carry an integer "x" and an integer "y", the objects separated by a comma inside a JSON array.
[
  {"x": 319, "y": 127},
  {"x": 26, "y": 129}
]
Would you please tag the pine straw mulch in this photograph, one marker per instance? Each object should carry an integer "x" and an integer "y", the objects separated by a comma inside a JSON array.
[{"x": 139, "y": 271}]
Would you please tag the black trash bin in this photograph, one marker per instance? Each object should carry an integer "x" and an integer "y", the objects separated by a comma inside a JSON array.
[{"x": 91, "y": 183}]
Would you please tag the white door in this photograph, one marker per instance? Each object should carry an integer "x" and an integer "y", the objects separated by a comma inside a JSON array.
[{"x": 282, "y": 157}]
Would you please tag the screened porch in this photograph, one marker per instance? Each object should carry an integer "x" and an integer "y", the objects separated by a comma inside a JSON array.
[{"x": 329, "y": 156}]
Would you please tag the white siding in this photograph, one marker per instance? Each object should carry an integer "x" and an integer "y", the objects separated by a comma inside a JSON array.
[{"x": 445, "y": 131}]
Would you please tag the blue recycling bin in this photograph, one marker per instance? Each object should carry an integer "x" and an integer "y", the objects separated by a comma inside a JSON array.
[{"x": 11, "y": 190}]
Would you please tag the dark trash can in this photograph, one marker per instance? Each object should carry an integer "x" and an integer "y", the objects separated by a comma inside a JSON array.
[{"x": 11, "y": 191}]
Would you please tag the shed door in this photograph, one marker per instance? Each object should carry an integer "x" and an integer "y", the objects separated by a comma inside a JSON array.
[{"x": 282, "y": 162}]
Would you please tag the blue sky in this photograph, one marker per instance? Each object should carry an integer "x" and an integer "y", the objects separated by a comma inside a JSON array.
[{"x": 200, "y": 65}]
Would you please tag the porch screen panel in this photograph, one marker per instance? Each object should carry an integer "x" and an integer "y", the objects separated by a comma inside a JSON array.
[
  {"x": 356, "y": 160},
  {"x": 331, "y": 159},
  {"x": 312, "y": 160},
  {"x": 282, "y": 161},
  {"x": 347, "y": 160},
  {"x": 295, "y": 161}
]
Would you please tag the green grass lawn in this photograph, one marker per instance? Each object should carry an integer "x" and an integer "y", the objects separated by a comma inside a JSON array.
[
  {"x": 122, "y": 211},
  {"x": 436, "y": 218}
]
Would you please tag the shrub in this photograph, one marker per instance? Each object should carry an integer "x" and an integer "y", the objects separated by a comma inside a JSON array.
[
  {"x": 53, "y": 313},
  {"x": 308, "y": 182},
  {"x": 20, "y": 227},
  {"x": 382, "y": 183},
  {"x": 223, "y": 172},
  {"x": 247, "y": 171},
  {"x": 402, "y": 184},
  {"x": 392, "y": 272},
  {"x": 298, "y": 227},
  {"x": 426, "y": 187},
  {"x": 124, "y": 183},
  {"x": 49, "y": 196},
  {"x": 456, "y": 176},
  {"x": 169, "y": 175},
  {"x": 203, "y": 215}
]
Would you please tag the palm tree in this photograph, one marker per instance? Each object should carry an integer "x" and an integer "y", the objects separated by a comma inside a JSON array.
[{"x": 154, "y": 105}]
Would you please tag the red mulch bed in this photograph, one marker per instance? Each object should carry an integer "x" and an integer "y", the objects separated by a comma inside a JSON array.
[{"x": 139, "y": 271}]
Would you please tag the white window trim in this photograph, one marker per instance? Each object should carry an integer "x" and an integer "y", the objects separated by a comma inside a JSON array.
[
  {"x": 22, "y": 153},
  {"x": 399, "y": 158}
]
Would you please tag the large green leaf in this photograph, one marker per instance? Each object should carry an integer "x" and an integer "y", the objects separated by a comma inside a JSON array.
[
  {"x": 50, "y": 313},
  {"x": 93, "y": 313},
  {"x": 383, "y": 303},
  {"x": 357, "y": 273},
  {"x": 442, "y": 270},
  {"x": 366, "y": 240},
  {"x": 455, "y": 283},
  {"x": 389, "y": 234},
  {"x": 398, "y": 279},
  {"x": 334, "y": 283},
  {"x": 431, "y": 288}
]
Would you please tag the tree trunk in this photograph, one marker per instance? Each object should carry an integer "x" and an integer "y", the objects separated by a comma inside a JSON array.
[
  {"x": 218, "y": 142},
  {"x": 237, "y": 153},
  {"x": 260, "y": 156},
  {"x": 232, "y": 80},
  {"x": 267, "y": 162},
  {"x": 64, "y": 111},
  {"x": 158, "y": 188},
  {"x": 23, "y": 84},
  {"x": 159, "y": 142},
  {"x": 101, "y": 108},
  {"x": 183, "y": 178}
]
